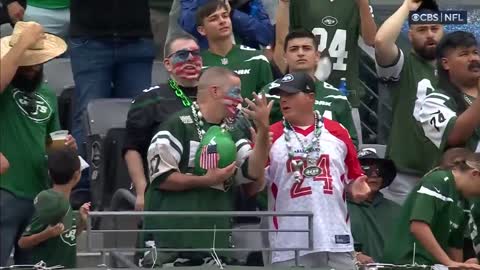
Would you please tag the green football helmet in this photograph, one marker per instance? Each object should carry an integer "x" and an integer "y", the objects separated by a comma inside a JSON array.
[{"x": 216, "y": 150}]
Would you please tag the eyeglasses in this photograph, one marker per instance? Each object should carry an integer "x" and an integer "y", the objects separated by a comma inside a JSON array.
[
  {"x": 184, "y": 54},
  {"x": 371, "y": 170}
]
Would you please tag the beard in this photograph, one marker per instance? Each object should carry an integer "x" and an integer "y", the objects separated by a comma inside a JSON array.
[
  {"x": 26, "y": 84},
  {"x": 426, "y": 52}
]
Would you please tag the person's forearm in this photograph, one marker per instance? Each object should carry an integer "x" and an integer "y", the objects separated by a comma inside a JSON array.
[
  {"x": 385, "y": 48},
  {"x": 9, "y": 65},
  {"x": 180, "y": 182},
  {"x": 81, "y": 226},
  {"x": 258, "y": 157},
  {"x": 136, "y": 171},
  {"x": 465, "y": 125},
  {"x": 422, "y": 232},
  {"x": 33, "y": 240},
  {"x": 456, "y": 254},
  {"x": 367, "y": 24},
  {"x": 281, "y": 31}
]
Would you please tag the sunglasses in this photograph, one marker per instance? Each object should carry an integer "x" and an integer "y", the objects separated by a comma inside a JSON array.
[
  {"x": 184, "y": 54},
  {"x": 371, "y": 170}
]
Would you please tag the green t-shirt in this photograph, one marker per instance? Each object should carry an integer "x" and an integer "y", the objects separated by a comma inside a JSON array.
[
  {"x": 173, "y": 148},
  {"x": 49, "y": 4},
  {"x": 438, "y": 116},
  {"x": 409, "y": 81},
  {"x": 435, "y": 201},
  {"x": 328, "y": 101},
  {"x": 250, "y": 64},
  {"x": 23, "y": 137},
  {"x": 336, "y": 24},
  {"x": 60, "y": 250},
  {"x": 372, "y": 223}
]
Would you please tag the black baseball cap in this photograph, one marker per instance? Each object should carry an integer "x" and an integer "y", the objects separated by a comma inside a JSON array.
[{"x": 293, "y": 83}]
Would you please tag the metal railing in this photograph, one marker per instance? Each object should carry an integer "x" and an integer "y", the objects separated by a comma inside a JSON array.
[{"x": 108, "y": 251}]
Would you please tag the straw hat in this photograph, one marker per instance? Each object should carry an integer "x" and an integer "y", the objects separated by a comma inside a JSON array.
[{"x": 42, "y": 51}]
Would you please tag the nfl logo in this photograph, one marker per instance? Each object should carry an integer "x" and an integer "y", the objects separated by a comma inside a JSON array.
[{"x": 224, "y": 61}]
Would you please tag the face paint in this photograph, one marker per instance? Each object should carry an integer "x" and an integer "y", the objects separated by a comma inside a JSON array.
[
  {"x": 187, "y": 64},
  {"x": 232, "y": 99}
]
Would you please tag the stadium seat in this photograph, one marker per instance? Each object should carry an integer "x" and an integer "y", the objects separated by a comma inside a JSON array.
[
  {"x": 159, "y": 73},
  {"x": 106, "y": 113},
  {"x": 358, "y": 124},
  {"x": 106, "y": 120},
  {"x": 380, "y": 148},
  {"x": 58, "y": 75}
]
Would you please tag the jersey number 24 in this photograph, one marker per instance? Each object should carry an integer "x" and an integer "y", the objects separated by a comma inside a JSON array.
[
  {"x": 337, "y": 48},
  {"x": 301, "y": 188}
]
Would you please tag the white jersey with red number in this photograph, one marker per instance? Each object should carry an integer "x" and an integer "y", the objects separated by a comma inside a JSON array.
[{"x": 323, "y": 195}]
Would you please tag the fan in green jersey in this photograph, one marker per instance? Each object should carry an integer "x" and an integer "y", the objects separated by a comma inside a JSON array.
[
  {"x": 252, "y": 66},
  {"x": 300, "y": 54},
  {"x": 409, "y": 77},
  {"x": 52, "y": 233},
  {"x": 433, "y": 220},
  {"x": 195, "y": 157},
  {"x": 450, "y": 116},
  {"x": 338, "y": 25},
  {"x": 29, "y": 114}
]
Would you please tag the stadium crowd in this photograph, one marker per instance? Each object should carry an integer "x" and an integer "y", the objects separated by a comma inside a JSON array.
[{"x": 259, "y": 107}]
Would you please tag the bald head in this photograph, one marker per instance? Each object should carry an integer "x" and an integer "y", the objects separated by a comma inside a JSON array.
[{"x": 216, "y": 76}]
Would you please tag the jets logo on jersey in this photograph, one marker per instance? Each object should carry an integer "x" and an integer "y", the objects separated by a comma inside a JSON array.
[
  {"x": 69, "y": 237},
  {"x": 329, "y": 21},
  {"x": 35, "y": 107}
]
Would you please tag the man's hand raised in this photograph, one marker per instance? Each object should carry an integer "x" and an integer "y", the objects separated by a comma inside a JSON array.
[
  {"x": 259, "y": 111},
  {"x": 32, "y": 34},
  {"x": 412, "y": 5}
]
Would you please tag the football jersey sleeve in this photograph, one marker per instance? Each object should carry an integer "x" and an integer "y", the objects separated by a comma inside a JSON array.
[
  {"x": 343, "y": 114},
  {"x": 354, "y": 170},
  {"x": 392, "y": 72},
  {"x": 437, "y": 118},
  {"x": 264, "y": 73},
  {"x": 165, "y": 150},
  {"x": 428, "y": 201}
]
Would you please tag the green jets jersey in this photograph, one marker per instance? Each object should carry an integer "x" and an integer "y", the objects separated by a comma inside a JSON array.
[
  {"x": 60, "y": 250},
  {"x": 173, "y": 149},
  {"x": 336, "y": 24},
  {"x": 409, "y": 81},
  {"x": 438, "y": 115},
  {"x": 26, "y": 124},
  {"x": 251, "y": 65},
  {"x": 328, "y": 101},
  {"x": 436, "y": 202}
]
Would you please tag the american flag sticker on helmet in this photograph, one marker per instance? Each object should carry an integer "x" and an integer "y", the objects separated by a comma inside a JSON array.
[{"x": 209, "y": 157}]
